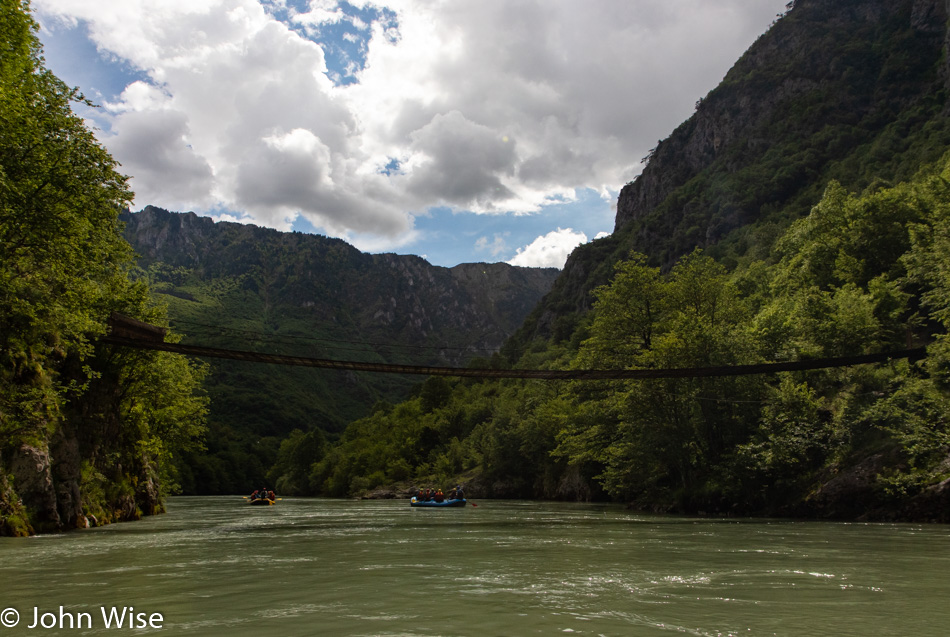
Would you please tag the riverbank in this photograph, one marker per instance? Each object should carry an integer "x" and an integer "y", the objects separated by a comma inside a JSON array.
[{"x": 854, "y": 494}]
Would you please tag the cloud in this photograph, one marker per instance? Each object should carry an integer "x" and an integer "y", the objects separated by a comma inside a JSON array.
[
  {"x": 494, "y": 246},
  {"x": 490, "y": 107},
  {"x": 461, "y": 163},
  {"x": 152, "y": 142},
  {"x": 233, "y": 219},
  {"x": 550, "y": 250}
]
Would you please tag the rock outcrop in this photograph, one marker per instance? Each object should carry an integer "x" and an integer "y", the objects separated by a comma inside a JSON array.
[
  {"x": 742, "y": 109},
  {"x": 405, "y": 300},
  {"x": 851, "y": 90}
]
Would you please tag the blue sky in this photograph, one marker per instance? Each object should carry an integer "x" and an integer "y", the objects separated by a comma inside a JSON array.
[{"x": 490, "y": 130}]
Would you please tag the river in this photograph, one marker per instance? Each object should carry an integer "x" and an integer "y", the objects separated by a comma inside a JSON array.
[{"x": 214, "y": 566}]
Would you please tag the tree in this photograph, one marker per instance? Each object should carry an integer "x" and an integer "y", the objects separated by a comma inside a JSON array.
[
  {"x": 663, "y": 436},
  {"x": 627, "y": 313},
  {"x": 64, "y": 269}
]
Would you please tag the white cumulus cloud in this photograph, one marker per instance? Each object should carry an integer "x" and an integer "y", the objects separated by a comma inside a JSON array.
[
  {"x": 550, "y": 250},
  {"x": 489, "y": 106}
]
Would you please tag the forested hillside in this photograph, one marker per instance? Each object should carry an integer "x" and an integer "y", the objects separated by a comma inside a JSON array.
[
  {"x": 87, "y": 431},
  {"x": 244, "y": 287},
  {"x": 859, "y": 274},
  {"x": 845, "y": 90},
  {"x": 801, "y": 213}
]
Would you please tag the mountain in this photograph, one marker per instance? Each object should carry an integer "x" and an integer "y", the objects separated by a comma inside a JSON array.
[
  {"x": 846, "y": 90},
  {"x": 451, "y": 314},
  {"x": 799, "y": 214},
  {"x": 244, "y": 287}
]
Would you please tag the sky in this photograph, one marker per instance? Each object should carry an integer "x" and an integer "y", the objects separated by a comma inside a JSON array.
[{"x": 458, "y": 130}]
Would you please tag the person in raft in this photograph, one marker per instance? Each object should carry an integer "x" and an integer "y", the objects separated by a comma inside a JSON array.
[
  {"x": 439, "y": 496},
  {"x": 262, "y": 494}
]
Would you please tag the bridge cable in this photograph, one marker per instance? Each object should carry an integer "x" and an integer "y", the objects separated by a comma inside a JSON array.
[{"x": 544, "y": 374}]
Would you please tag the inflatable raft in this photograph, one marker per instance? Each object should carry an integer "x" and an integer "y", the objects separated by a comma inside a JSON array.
[
  {"x": 261, "y": 502},
  {"x": 432, "y": 503}
]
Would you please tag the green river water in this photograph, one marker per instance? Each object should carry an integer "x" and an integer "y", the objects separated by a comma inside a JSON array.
[{"x": 214, "y": 566}]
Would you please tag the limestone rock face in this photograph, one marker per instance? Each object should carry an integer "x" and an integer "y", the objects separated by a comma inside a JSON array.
[
  {"x": 66, "y": 470},
  {"x": 402, "y": 297},
  {"x": 789, "y": 56},
  {"x": 32, "y": 474},
  {"x": 849, "y": 90}
]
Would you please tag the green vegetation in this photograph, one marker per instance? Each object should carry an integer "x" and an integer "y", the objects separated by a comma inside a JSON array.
[
  {"x": 859, "y": 274},
  {"x": 254, "y": 407},
  {"x": 832, "y": 92},
  {"x": 772, "y": 236},
  {"x": 87, "y": 431},
  {"x": 243, "y": 287}
]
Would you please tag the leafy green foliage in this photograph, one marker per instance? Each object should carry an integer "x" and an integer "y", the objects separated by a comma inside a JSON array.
[
  {"x": 826, "y": 95},
  {"x": 860, "y": 273},
  {"x": 666, "y": 433},
  {"x": 107, "y": 422},
  {"x": 242, "y": 287},
  {"x": 298, "y": 452}
]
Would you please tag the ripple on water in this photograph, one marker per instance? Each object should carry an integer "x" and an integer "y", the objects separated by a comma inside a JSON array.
[{"x": 352, "y": 568}]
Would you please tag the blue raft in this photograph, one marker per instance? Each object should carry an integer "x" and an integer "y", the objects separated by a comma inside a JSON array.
[{"x": 432, "y": 503}]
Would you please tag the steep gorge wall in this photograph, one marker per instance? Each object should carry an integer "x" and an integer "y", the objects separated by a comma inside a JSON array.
[
  {"x": 831, "y": 91},
  {"x": 401, "y": 298},
  {"x": 742, "y": 106},
  {"x": 83, "y": 469}
]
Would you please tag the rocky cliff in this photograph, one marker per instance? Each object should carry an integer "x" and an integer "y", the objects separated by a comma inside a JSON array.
[
  {"x": 820, "y": 49},
  {"x": 243, "y": 287},
  {"x": 400, "y": 300},
  {"x": 846, "y": 90}
]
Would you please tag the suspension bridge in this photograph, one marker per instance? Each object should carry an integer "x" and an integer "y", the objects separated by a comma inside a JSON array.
[{"x": 128, "y": 332}]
